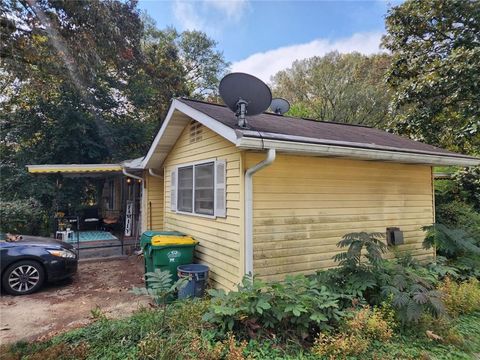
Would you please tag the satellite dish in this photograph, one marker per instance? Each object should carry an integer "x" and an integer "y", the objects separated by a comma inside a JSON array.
[
  {"x": 279, "y": 106},
  {"x": 245, "y": 95}
]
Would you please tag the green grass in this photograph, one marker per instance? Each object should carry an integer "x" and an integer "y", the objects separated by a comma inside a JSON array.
[{"x": 185, "y": 336}]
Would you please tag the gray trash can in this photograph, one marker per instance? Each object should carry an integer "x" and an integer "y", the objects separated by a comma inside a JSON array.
[{"x": 197, "y": 276}]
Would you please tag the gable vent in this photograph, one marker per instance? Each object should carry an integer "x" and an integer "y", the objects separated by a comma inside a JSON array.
[{"x": 196, "y": 130}]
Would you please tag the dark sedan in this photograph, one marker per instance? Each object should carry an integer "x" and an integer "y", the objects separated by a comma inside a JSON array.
[{"x": 25, "y": 265}]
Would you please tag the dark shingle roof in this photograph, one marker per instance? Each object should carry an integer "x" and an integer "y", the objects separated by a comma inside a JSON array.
[{"x": 317, "y": 131}]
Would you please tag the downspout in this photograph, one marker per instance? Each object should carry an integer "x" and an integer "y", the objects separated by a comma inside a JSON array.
[
  {"x": 126, "y": 173},
  {"x": 151, "y": 172},
  {"x": 249, "y": 208}
]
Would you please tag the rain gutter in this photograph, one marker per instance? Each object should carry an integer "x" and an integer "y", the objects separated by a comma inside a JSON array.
[{"x": 126, "y": 173}]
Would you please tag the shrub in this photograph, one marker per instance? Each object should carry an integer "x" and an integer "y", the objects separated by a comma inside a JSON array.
[
  {"x": 22, "y": 217},
  {"x": 412, "y": 292},
  {"x": 457, "y": 214},
  {"x": 340, "y": 346},
  {"x": 460, "y": 249},
  {"x": 461, "y": 298},
  {"x": 372, "y": 323},
  {"x": 296, "y": 307},
  {"x": 410, "y": 287},
  {"x": 357, "y": 334}
]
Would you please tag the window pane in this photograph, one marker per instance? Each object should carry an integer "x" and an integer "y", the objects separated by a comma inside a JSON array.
[
  {"x": 204, "y": 189},
  {"x": 185, "y": 188}
]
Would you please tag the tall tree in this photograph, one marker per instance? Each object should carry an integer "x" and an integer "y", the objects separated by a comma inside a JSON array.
[
  {"x": 435, "y": 72},
  {"x": 347, "y": 88},
  {"x": 87, "y": 81}
]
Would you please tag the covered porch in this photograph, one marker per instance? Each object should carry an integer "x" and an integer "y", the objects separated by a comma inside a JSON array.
[{"x": 107, "y": 222}]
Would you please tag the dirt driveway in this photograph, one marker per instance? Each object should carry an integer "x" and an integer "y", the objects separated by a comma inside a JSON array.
[{"x": 68, "y": 305}]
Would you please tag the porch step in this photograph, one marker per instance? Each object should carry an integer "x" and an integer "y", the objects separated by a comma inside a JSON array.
[{"x": 100, "y": 252}]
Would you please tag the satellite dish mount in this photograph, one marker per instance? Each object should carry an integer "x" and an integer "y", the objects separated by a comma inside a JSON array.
[
  {"x": 241, "y": 113},
  {"x": 245, "y": 95}
]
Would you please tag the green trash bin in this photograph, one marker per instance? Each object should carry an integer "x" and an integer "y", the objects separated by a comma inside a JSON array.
[{"x": 166, "y": 250}]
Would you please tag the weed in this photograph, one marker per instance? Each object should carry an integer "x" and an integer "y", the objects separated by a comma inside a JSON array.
[{"x": 97, "y": 314}]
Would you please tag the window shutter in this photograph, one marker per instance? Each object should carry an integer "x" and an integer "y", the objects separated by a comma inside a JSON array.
[
  {"x": 220, "y": 187},
  {"x": 173, "y": 190}
]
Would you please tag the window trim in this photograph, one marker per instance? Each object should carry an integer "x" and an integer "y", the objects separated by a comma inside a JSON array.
[{"x": 193, "y": 164}]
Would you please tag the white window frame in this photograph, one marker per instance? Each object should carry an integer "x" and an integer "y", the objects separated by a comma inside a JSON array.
[{"x": 193, "y": 164}]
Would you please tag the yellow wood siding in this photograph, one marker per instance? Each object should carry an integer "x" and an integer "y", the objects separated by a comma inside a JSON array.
[
  {"x": 154, "y": 203},
  {"x": 304, "y": 205},
  {"x": 221, "y": 239}
]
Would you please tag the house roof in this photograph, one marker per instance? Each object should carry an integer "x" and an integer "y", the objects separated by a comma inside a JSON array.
[
  {"x": 296, "y": 135},
  {"x": 273, "y": 126}
]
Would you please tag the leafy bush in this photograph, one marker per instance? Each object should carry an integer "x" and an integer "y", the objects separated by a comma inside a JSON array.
[
  {"x": 410, "y": 287},
  {"x": 22, "y": 217},
  {"x": 457, "y": 214},
  {"x": 356, "y": 277},
  {"x": 295, "y": 307},
  {"x": 467, "y": 185},
  {"x": 461, "y": 298},
  {"x": 357, "y": 334},
  {"x": 412, "y": 292},
  {"x": 460, "y": 249},
  {"x": 463, "y": 187}
]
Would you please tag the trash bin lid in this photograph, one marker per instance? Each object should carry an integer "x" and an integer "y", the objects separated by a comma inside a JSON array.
[
  {"x": 146, "y": 238},
  {"x": 163, "y": 240}
]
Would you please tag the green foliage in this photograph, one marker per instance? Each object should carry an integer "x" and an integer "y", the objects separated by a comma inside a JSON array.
[
  {"x": 460, "y": 248},
  {"x": 160, "y": 286},
  {"x": 456, "y": 214},
  {"x": 373, "y": 243},
  {"x": 435, "y": 72},
  {"x": 416, "y": 345},
  {"x": 22, "y": 217},
  {"x": 409, "y": 287},
  {"x": 412, "y": 293},
  {"x": 290, "y": 308},
  {"x": 463, "y": 189},
  {"x": 356, "y": 334},
  {"x": 186, "y": 336},
  {"x": 88, "y": 82},
  {"x": 348, "y": 88},
  {"x": 461, "y": 298}
]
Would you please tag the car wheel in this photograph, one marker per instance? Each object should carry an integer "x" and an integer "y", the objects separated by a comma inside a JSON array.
[{"x": 23, "y": 277}]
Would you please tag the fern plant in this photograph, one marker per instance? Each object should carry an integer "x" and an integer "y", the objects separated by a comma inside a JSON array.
[
  {"x": 408, "y": 286},
  {"x": 412, "y": 293},
  {"x": 458, "y": 246},
  {"x": 373, "y": 243}
]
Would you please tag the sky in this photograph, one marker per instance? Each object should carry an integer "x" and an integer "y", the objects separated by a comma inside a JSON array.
[{"x": 264, "y": 37}]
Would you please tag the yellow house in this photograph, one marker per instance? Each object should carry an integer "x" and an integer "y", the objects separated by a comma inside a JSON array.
[{"x": 275, "y": 199}]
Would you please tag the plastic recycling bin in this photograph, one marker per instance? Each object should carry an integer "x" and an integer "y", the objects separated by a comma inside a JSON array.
[{"x": 167, "y": 250}]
